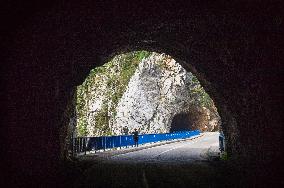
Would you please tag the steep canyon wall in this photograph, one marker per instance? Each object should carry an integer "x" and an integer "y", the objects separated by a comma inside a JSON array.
[{"x": 156, "y": 90}]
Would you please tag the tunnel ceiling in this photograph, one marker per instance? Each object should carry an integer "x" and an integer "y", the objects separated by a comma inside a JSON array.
[{"x": 232, "y": 47}]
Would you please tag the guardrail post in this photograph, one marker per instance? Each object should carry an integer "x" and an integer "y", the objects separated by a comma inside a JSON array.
[
  {"x": 81, "y": 145},
  {"x": 113, "y": 142},
  {"x": 104, "y": 143},
  {"x": 78, "y": 145},
  {"x": 75, "y": 147},
  {"x": 96, "y": 146},
  {"x": 85, "y": 145}
]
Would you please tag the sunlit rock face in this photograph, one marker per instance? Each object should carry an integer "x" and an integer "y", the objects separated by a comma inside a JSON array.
[
  {"x": 98, "y": 96},
  {"x": 145, "y": 91},
  {"x": 159, "y": 89}
]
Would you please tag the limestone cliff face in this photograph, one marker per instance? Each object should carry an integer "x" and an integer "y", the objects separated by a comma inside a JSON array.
[
  {"x": 98, "y": 96},
  {"x": 154, "y": 94},
  {"x": 159, "y": 89},
  {"x": 155, "y": 91}
]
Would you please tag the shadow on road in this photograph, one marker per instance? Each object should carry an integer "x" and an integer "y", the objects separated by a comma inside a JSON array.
[{"x": 199, "y": 174}]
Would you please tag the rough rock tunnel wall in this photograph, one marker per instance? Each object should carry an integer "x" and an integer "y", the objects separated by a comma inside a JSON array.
[{"x": 233, "y": 49}]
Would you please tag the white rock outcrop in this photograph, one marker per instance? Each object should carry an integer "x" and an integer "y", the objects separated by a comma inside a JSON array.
[{"x": 159, "y": 89}]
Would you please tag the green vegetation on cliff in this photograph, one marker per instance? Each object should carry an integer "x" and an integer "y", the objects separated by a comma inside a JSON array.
[
  {"x": 197, "y": 92},
  {"x": 100, "y": 93},
  {"x": 114, "y": 76}
]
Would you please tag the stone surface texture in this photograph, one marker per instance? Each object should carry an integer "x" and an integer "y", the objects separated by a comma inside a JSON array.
[
  {"x": 235, "y": 48},
  {"x": 159, "y": 89}
]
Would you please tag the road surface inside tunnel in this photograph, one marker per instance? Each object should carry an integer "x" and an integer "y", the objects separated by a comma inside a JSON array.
[
  {"x": 187, "y": 151},
  {"x": 184, "y": 163}
]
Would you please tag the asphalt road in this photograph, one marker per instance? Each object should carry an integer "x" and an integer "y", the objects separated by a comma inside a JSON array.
[{"x": 179, "y": 152}]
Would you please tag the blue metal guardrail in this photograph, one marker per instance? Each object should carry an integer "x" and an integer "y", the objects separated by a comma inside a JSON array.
[{"x": 83, "y": 144}]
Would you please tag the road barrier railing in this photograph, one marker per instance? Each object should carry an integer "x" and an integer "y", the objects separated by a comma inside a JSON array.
[{"x": 84, "y": 144}]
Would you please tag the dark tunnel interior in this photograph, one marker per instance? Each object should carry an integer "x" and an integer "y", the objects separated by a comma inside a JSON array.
[
  {"x": 181, "y": 122},
  {"x": 49, "y": 47}
]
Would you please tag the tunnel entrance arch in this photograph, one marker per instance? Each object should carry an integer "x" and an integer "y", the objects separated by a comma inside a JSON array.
[
  {"x": 181, "y": 122},
  {"x": 228, "y": 120},
  {"x": 226, "y": 52},
  {"x": 145, "y": 90}
]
